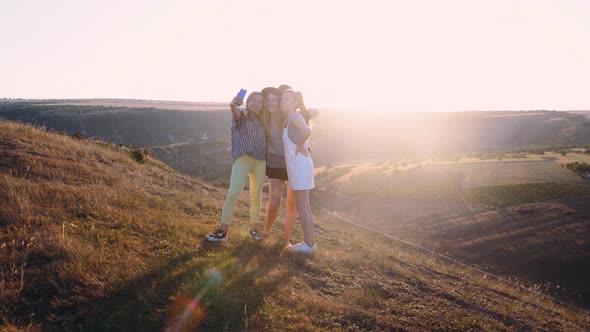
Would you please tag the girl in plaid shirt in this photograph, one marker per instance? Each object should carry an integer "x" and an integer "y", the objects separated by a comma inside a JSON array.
[{"x": 248, "y": 143}]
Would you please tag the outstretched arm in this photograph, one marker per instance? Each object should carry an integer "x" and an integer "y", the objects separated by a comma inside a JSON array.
[{"x": 234, "y": 104}]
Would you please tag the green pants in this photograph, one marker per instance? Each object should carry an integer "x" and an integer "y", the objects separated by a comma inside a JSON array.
[{"x": 244, "y": 167}]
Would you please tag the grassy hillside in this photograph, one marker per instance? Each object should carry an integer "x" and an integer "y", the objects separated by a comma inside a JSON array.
[
  {"x": 93, "y": 240},
  {"x": 205, "y": 159}
]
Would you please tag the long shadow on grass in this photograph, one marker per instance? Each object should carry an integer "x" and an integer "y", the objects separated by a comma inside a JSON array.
[{"x": 214, "y": 287}]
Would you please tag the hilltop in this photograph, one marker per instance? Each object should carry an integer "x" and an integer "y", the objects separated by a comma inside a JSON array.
[{"x": 113, "y": 244}]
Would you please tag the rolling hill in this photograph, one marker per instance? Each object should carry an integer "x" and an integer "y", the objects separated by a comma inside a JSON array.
[
  {"x": 92, "y": 239},
  {"x": 206, "y": 159},
  {"x": 529, "y": 218},
  {"x": 136, "y": 123},
  {"x": 338, "y": 135}
]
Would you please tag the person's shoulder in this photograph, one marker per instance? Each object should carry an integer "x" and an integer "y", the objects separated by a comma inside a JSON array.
[{"x": 296, "y": 116}]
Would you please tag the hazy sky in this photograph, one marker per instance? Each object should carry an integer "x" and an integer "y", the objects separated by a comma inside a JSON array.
[{"x": 398, "y": 55}]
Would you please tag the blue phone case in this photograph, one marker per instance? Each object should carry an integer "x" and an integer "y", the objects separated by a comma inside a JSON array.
[{"x": 242, "y": 94}]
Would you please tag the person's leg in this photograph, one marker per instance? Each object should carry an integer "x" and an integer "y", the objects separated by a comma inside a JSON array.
[
  {"x": 305, "y": 216},
  {"x": 239, "y": 174},
  {"x": 257, "y": 176},
  {"x": 275, "y": 194},
  {"x": 291, "y": 214}
]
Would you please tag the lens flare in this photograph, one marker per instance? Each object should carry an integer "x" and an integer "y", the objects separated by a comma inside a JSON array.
[{"x": 187, "y": 313}]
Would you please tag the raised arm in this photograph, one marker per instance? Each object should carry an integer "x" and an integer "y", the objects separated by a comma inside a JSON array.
[
  {"x": 234, "y": 104},
  {"x": 312, "y": 113},
  {"x": 308, "y": 113}
]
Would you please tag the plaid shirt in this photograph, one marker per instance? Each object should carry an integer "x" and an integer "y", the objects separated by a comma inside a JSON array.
[{"x": 248, "y": 137}]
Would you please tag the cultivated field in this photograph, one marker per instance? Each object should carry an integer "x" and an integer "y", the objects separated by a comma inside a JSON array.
[
  {"x": 391, "y": 178},
  {"x": 511, "y": 217}
]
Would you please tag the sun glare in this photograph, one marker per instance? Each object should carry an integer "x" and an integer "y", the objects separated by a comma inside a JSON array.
[{"x": 393, "y": 55}]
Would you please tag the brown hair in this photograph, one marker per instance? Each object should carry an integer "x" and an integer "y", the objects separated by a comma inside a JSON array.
[
  {"x": 260, "y": 115},
  {"x": 300, "y": 105}
]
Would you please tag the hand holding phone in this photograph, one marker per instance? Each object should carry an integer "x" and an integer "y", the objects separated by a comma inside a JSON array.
[{"x": 239, "y": 98}]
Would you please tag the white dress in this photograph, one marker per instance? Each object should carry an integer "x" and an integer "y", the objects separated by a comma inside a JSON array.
[{"x": 299, "y": 166}]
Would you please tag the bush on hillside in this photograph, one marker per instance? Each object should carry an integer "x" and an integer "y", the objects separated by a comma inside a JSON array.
[
  {"x": 140, "y": 155},
  {"x": 578, "y": 168}
]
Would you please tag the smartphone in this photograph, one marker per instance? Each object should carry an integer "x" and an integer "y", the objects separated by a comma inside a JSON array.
[{"x": 242, "y": 94}]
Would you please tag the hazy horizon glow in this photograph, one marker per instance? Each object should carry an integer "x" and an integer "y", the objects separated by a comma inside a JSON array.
[{"x": 397, "y": 55}]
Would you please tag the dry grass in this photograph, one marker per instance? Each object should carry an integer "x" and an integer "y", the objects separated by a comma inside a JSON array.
[
  {"x": 98, "y": 216},
  {"x": 118, "y": 246}
]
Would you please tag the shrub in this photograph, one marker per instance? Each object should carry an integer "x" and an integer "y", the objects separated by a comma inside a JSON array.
[
  {"x": 13, "y": 263},
  {"x": 578, "y": 168},
  {"x": 140, "y": 155}
]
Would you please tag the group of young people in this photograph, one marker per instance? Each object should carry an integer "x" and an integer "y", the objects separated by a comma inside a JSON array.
[{"x": 269, "y": 137}]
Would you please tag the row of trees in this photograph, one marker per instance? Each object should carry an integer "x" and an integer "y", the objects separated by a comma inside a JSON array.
[{"x": 578, "y": 168}]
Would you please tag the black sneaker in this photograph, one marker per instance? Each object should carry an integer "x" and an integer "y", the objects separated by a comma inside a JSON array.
[
  {"x": 217, "y": 236},
  {"x": 255, "y": 235}
]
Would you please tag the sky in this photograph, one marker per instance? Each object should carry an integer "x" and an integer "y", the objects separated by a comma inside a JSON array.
[{"x": 356, "y": 55}]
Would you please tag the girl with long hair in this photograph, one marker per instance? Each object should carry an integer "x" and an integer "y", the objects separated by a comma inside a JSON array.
[
  {"x": 276, "y": 169},
  {"x": 296, "y": 132},
  {"x": 248, "y": 142}
]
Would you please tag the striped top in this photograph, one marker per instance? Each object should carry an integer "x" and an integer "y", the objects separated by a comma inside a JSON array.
[{"x": 248, "y": 137}]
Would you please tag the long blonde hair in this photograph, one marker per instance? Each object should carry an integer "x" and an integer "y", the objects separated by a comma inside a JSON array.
[{"x": 266, "y": 116}]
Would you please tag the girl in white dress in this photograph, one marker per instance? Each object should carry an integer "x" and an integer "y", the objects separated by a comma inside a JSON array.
[
  {"x": 276, "y": 169},
  {"x": 299, "y": 166}
]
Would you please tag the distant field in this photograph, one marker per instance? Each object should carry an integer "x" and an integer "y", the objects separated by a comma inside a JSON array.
[
  {"x": 506, "y": 173},
  {"x": 573, "y": 157},
  {"x": 426, "y": 180},
  {"x": 523, "y": 218}
]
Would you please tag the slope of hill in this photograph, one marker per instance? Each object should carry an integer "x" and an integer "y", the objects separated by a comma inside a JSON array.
[
  {"x": 206, "y": 159},
  {"x": 111, "y": 244},
  {"x": 525, "y": 218},
  {"x": 142, "y": 125},
  {"x": 135, "y": 103}
]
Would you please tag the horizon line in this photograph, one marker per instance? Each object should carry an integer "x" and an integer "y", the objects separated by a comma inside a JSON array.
[{"x": 321, "y": 107}]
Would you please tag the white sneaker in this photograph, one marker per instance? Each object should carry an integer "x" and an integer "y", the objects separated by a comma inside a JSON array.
[
  {"x": 303, "y": 248},
  {"x": 217, "y": 236},
  {"x": 255, "y": 235}
]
